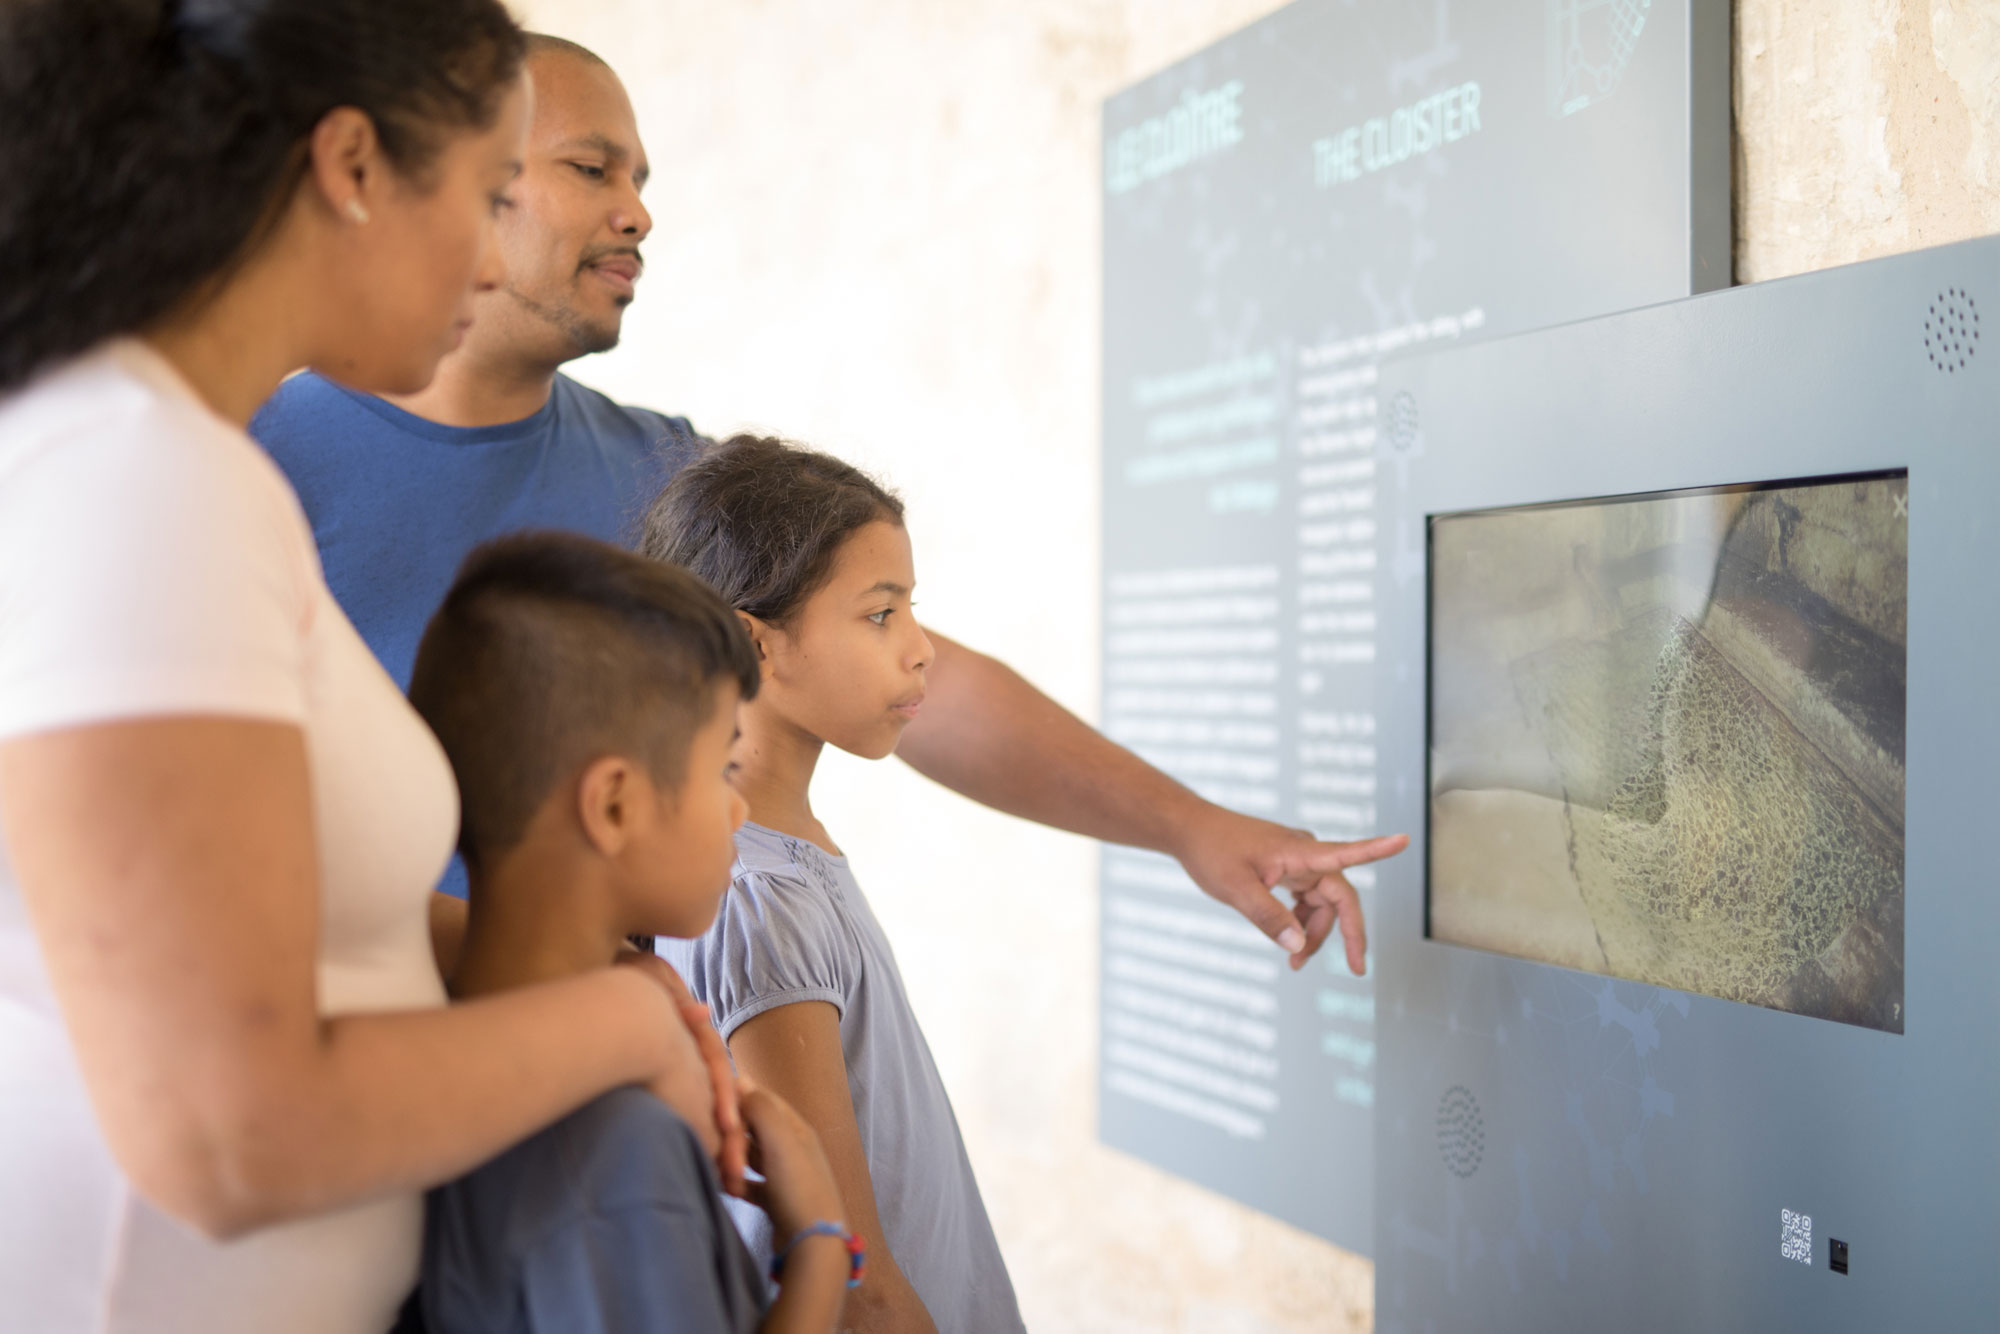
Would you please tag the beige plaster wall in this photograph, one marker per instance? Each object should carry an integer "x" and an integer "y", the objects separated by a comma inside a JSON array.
[
  {"x": 877, "y": 231},
  {"x": 1863, "y": 127}
]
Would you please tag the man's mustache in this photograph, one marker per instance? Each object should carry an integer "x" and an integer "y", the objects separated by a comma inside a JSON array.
[{"x": 598, "y": 253}]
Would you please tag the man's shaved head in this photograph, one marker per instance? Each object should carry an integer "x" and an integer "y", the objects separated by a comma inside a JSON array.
[{"x": 544, "y": 44}]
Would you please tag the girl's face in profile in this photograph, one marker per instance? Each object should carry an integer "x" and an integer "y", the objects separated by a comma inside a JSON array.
[
  {"x": 849, "y": 665},
  {"x": 426, "y": 248}
]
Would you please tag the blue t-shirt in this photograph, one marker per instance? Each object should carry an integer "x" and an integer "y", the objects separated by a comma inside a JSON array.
[
  {"x": 397, "y": 501},
  {"x": 608, "y": 1222}
]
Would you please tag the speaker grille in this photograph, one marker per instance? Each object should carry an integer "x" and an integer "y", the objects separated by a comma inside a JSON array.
[
  {"x": 1403, "y": 420},
  {"x": 1951, "y": 330},
  {"x": 1461, "y": 1131}
]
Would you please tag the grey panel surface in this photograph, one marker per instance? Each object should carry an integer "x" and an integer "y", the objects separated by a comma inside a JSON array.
[
  {"x": 1335, "y": 183},
  {"x": 1559, "y": 1150}
]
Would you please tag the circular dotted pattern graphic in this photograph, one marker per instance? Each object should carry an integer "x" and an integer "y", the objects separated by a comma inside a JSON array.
[
  {"x": 1461, "y": 1131},
  {"x": 1951, "y": 330},
  {"x": 1403, "y": 420}
]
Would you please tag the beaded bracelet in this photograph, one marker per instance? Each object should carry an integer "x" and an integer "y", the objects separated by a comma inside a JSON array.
[{"x": 857, "y": 1258}]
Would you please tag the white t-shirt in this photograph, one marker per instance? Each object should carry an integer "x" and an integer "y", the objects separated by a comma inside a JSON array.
[{"x": 154, "y": 561}]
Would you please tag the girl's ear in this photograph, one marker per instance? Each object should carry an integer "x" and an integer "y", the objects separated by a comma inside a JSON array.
[{"x": 759, "y": 632}]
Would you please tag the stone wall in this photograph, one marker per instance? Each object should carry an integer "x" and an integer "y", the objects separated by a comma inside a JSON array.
[
  {"x": 1863, "y": 128},
  {"x": 877, "y": 231}
]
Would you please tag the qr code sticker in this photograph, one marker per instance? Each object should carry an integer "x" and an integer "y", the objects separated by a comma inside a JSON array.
[{"x": 1795, "y": 1241}]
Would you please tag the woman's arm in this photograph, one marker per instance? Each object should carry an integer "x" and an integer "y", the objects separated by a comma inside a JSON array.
[
  {"x": 170, "y": 871},
  {"x": 794, "y": 1051}
]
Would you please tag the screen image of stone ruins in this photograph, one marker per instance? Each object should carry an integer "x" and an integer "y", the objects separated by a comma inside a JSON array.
[{"x": 1667, "y": 740}]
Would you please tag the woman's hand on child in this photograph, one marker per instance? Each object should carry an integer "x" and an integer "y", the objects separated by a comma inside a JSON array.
[
  {"x": 700, "y": 1083},
  {"x": 1241, "y": 861},
  {"x": 798, "y": 1187},
  {"x": 733, "y": 1147},
  {"x": 684, "y": 1085}
]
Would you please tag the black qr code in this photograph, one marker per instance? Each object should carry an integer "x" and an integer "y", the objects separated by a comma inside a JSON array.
[{"x": 1795, "y": 1240}]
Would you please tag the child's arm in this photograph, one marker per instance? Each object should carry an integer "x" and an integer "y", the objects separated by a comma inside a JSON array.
[
  {"x": 794, "y": 1050},
  {"x": 798, "y": 1191}
]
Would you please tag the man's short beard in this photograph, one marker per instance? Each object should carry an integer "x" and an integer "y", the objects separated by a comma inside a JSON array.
[{"x": 583, "y": 336}]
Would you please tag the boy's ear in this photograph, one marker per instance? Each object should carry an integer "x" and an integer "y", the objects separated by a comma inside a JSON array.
[{"x": 604, "y": 803}]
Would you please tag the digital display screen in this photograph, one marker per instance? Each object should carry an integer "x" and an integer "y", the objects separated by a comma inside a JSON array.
[{"x": 1666, "y": 739}]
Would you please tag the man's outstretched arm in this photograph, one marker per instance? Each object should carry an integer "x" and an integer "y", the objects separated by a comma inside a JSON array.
[{"x": 987, "y": 734}]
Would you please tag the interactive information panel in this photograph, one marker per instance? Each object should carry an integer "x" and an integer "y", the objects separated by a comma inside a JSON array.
[
  {"x": 1688, "y": 984},
  {"x": 1338, "y": 183}
]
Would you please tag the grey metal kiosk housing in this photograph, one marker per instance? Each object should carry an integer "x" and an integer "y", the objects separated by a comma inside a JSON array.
[{"x": 1687, "y": 677}]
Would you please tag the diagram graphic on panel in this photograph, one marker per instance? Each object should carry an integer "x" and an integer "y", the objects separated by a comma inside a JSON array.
[{"x": 1591, "y": 43}]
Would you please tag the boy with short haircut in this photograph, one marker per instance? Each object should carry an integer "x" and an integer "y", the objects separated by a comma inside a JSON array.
[{"x": 587, "y": 700}]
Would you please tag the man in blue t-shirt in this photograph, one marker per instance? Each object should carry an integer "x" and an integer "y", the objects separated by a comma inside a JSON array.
[
  {"x": 398, "y": 493},
  {"x": 397, "y": 500}
]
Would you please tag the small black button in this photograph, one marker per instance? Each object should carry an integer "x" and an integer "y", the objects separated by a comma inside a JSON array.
[{"x": 1836, "y": 1257}]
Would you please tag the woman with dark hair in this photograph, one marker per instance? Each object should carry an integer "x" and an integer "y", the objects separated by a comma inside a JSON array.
[{"x": 219, "y": 822}]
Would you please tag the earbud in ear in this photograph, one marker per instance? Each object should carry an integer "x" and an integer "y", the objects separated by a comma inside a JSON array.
[{"x": 357, "y": 211}]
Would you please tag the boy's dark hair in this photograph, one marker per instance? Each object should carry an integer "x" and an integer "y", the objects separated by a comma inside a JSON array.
[
  {"x": 552, "y": 650},
  {"x": 150, "y": 143},
  {"x": 760, "y": 521}
]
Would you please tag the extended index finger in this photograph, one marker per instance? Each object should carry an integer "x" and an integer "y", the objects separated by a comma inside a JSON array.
[{"x": 1305, "y": 863}]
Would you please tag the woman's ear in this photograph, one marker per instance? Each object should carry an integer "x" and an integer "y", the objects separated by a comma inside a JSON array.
[
  {"x": 346, "y": 163},
  {"x": 604, "y": 804}
]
